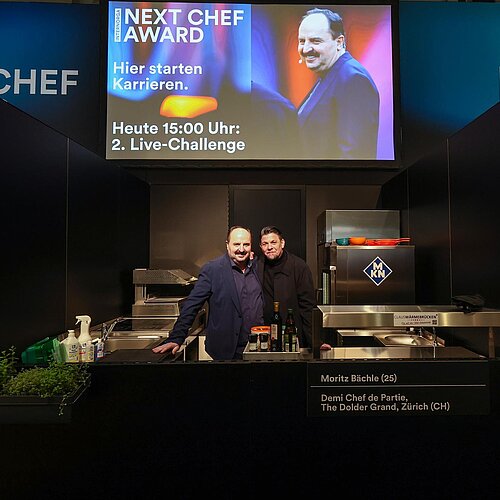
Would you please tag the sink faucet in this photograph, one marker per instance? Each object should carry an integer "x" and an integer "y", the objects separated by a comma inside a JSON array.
[
  {"x": 434, "y": 334},
  {"x": 429, "y": 335},
  {"x": 107, "y": 329}
]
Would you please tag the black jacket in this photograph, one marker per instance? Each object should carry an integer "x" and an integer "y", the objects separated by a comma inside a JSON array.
[{"x": 294, "y": 289}]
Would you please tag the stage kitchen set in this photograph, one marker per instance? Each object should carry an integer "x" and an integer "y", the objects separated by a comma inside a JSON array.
[
  {"x": 365, "y": 310},
  {"x": 369, "y": 337}
]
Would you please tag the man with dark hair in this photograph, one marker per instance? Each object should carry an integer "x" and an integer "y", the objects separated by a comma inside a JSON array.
[
  {"x": 234, "y": 294},
  {"x": 339, "y": 118},
  {"x": 286, "y": 278}
]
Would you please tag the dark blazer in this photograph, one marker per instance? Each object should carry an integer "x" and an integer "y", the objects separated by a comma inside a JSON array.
[
  {"x": 275, "y": 128},
  {"x": 294, "y": 289},
  {"x": 216, "y": 285},
  {"x": 341, "y": 118}
]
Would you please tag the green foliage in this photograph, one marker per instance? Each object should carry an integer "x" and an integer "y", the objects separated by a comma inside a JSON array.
[
  {"x": 57, "y": 379},
  {"x": 7, "y": 366}
]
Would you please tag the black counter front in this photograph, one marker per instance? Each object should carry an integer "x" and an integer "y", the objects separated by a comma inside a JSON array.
[{"x": 236, "y": 429}]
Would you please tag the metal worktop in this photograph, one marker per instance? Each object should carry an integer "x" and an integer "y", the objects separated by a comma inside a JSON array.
[
  {"x": 397, "y": 353},
  {"x": 382, "y": 316}
]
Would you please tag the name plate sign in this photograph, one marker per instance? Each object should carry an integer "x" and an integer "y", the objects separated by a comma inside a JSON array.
[
  {"x": 416, "y": 319},
  {"x": 444, "y": 387}
]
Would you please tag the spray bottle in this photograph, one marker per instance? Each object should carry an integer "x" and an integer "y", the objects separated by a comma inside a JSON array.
[
  {"x": 98, "y": 346},
  {"x": 85, "y": 340},
  {"x": 71, "y": 348}
]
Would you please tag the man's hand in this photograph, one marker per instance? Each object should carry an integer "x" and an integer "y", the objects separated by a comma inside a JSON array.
[
  {"x": 167, "y": 347},
  {"x": 325, "y": 347}
]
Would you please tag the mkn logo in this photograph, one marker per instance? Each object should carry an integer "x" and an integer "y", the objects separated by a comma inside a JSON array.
[{"x": 377, "y": 270}]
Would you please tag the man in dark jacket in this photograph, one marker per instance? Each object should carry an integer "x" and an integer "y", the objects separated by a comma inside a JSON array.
[
  {"x": 286, "y": 278},
  {"x": 234, "y": 294},
  {"x": 339, "y": 118}
]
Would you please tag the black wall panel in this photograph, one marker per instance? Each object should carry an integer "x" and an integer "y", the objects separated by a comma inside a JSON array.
[
  {"x": 33, "y": 200},
  {"x": 74, "y": 227},
  {"x": 453, "y": 213},
  {"x": 93, "y": 207},
  {"x": 475, "y": 208},
  {"x": 133, "y": 233},
  {"x": 429, "y": 227},
  {"x": 421, "y": 194},
  {"x": 394, "y": 196},
  {"x": 100, "y": 261}
]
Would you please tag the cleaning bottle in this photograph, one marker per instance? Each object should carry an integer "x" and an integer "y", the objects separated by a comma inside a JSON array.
[
  {"x": 71, "y": 348},
  {"x": 85, "y": 340},
  {"x": 98, "y": 345}
]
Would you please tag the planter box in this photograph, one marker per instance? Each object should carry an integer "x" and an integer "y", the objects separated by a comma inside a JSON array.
[{"x": 38, "y": 410}]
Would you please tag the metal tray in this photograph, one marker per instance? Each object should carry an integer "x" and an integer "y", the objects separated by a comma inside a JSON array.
[{"x": 270, "y": 355}]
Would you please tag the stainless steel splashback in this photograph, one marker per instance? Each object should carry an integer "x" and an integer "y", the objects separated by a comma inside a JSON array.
[
  {"x": 333, "y": 224},
  {"x": 162, "y": 306},
  {"x": 160, "y": 292}
]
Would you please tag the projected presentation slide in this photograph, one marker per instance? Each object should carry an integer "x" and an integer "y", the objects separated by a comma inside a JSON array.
[{"x": 195, "y": 81}]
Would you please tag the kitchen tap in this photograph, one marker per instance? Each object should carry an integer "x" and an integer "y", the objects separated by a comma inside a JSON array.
[
  {"x": 107, "y": 329},
  {"x": 428, "y": 334},
  {"x": 434, "y": 334}
]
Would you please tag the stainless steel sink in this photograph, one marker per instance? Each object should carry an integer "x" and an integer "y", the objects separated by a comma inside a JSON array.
[
  {"x": 413, "y": 340},
  {"x": 115, "y": 342},
  {"x": 404, "y": 340}
]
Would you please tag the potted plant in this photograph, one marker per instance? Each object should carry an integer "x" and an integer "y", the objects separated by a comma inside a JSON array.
[{"x": 39, "y": 394}]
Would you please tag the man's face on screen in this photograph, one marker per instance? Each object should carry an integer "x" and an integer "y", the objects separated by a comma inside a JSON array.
[{"x": 317, "y": 47}]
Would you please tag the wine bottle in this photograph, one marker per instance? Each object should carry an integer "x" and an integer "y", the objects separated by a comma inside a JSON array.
[
  {"x": 276, "y": 332},
  {"x": 284, "y": 339},
  {"x": 291, "y": 332}
]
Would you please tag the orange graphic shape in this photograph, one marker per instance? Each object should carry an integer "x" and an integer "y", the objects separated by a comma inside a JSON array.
[{"x": 187, "y": 106}]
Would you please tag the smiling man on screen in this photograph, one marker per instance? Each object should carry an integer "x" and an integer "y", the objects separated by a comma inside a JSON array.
[{"x": 339, "y": 118}]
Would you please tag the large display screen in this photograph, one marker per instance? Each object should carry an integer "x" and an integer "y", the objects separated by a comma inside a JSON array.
[{"x": 227, "y": 81}]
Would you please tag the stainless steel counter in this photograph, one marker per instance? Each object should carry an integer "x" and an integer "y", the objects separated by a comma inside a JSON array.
[
  {"x": 380, "y": 316},
  {"x": 483, "y": 324}
]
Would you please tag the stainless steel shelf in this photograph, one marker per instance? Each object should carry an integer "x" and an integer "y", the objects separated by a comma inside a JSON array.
[{"x": 382, "y": 316}]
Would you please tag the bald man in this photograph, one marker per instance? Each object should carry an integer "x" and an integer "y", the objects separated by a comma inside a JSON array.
[{"x": 235, "y": 304}]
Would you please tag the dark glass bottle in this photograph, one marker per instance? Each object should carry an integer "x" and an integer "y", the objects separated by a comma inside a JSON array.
[
  {"x": 252, "y": 342},
  {"x": 264, "y": 339},
  {"x": 284, "y": 341},
  {"x": 290, "y": 332},
  {"x": 276, "y": 322}
]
